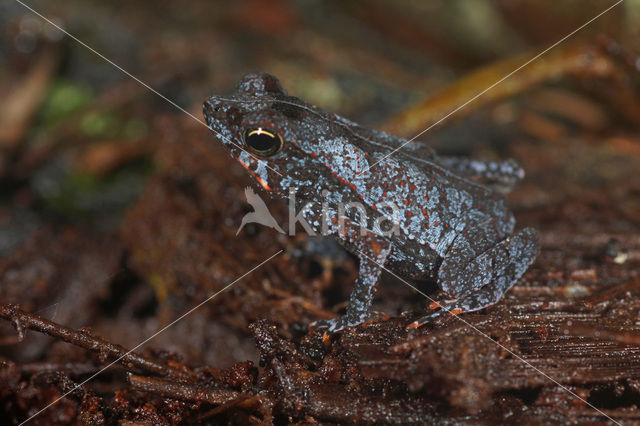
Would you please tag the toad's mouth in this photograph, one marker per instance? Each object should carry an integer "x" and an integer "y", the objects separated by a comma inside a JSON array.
[{"x": 261, "y": 181}]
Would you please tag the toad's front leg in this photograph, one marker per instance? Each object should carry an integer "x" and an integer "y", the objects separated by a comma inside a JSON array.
[{"x": 373, "y": 251}]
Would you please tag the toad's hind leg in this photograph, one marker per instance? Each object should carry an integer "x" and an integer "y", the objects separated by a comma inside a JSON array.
[{"x": 489, "y": 276}]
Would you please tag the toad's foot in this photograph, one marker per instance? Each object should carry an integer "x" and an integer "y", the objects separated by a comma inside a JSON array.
[
  {"x": 336, "y": 324},
  {"x": 440, "y": 309},
  {"x": 485, "y": 297}
]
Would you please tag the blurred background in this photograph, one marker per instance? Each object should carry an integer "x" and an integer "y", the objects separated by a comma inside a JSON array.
[{"x": 117, "y": 209}]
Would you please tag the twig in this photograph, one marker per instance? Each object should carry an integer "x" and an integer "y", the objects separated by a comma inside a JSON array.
[
  {"x": 183, "y": 391},
  {"x": 69, "y": 368},
  {"x": 243, "y": 401},
  {"x": 83, "y": 339}
]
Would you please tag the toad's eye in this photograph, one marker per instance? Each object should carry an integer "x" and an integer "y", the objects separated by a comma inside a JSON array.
[{"x": 263, "y": 142}]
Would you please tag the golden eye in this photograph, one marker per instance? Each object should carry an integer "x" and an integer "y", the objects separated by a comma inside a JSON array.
[{"x": 263, "y": 142}]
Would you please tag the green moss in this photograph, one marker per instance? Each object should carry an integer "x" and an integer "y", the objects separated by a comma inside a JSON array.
[
  {"x": 135, "y": 129},
  {"x": 64, "y": 98},
  {"x": 97, "y": 124},
  {"x": 78, "y": 194}
]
